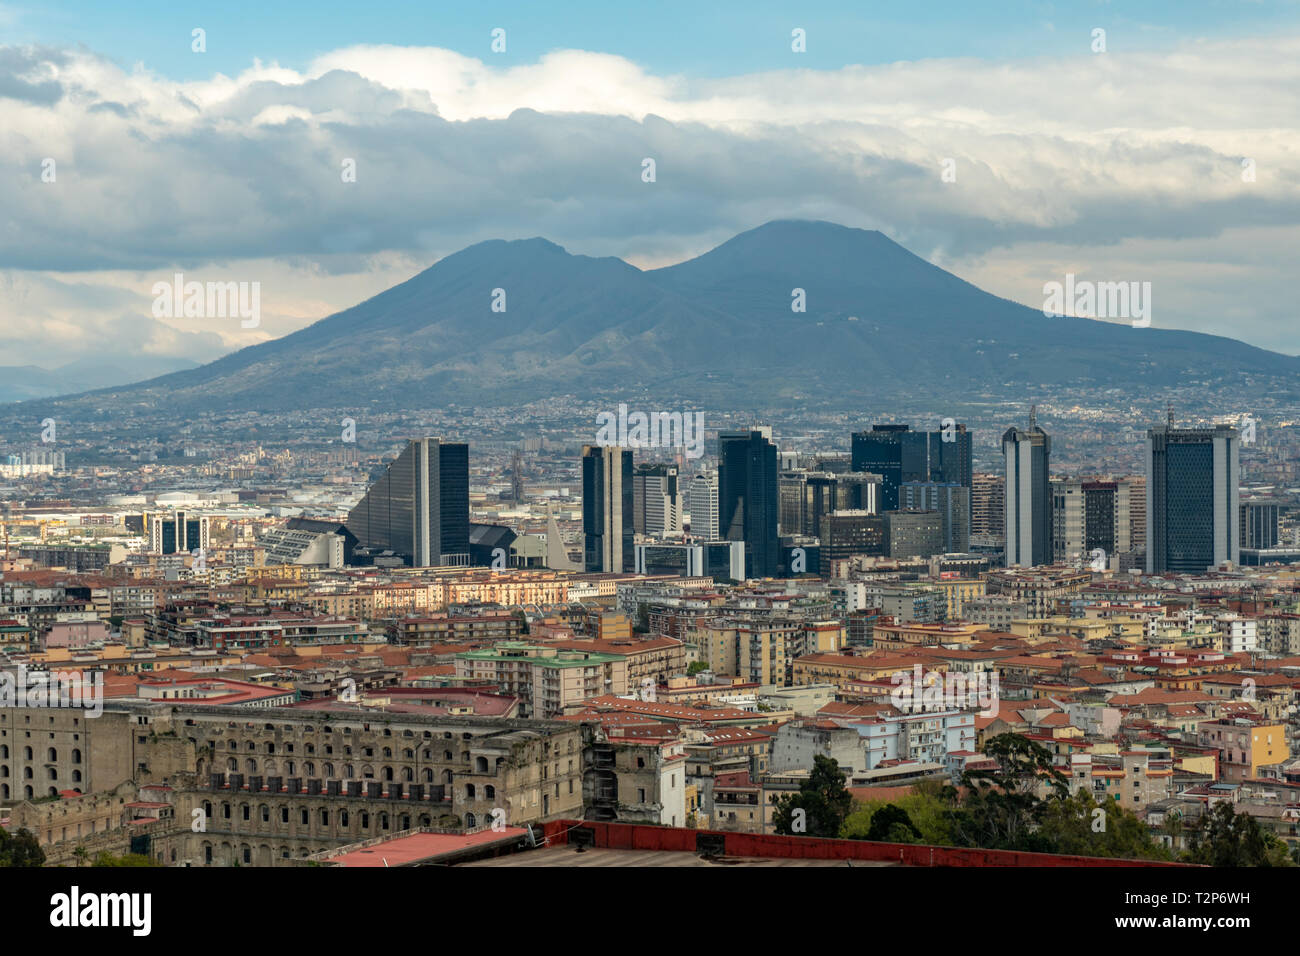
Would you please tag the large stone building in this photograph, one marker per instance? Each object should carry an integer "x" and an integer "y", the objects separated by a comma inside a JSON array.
[{"x": 278, "y": 784}]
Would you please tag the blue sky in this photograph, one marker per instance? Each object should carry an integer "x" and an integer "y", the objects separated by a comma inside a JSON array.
[
  {"x": 1171, "y": 157},
  {"x": 675, "y": 36}
]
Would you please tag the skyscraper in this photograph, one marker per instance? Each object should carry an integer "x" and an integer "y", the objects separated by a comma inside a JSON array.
[
  {"x": 607, "y": 509},
  {"x": 1193, "y": 504},
  {"x": 419, "y": 508},
  {"x": 657, "y": 507},
  {"x": 1092, "y": 514},
  {"x": 748, "y": 500},
  {"x": 1028, "y": 495},
  {"x": 1259, "y": 525},
  {"x": 702, "y": 504},
  {"x": 808, "y": 496},
  {"x": 988, "y": 508},
  {"x": 899, "y": 455},
  {"x": 951, "y": 500}
]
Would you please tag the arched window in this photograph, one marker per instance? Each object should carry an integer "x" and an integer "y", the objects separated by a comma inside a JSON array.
[
  {"x": 52, "y": 755},
  {"x": 76, "y": 755},
  {"x": 480, "y": 764}
]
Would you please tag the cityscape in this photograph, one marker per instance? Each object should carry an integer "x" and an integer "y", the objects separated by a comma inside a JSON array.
[{"x": 637, "y": 494}]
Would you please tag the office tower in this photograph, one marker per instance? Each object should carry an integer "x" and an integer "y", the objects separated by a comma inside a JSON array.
[
  {"x": 988, "y": 506},
  {"x": 950, "y": 500},
  {"x": 791, "y": 490},
  {"x": 419, "y": 508},
  {"x": 656, "y": 506},
  {"x": 747, "y": 497},
  {"x": 176, "y": 532},
  {"x": 607, "y": 508},
  {"x": 807, "y": 497},
  {"x": 1137, "y": 514},
  {"x": 1028, "y": 495},
  {"x": 852, "y": 532},
  {"x": 914, "y": 534},
  {"x": 1193, "y": 506},
  {"x": 1259, "y": 523},
  {"x": 1091, "y": 514},
  {"x": 899, "y": 455},
  {"x": 702, "y": 505}
]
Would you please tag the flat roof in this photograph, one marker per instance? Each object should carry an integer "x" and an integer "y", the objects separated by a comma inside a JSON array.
[
  {"x": 567, "y": 855},
  {"x": 424, "y": 847}
]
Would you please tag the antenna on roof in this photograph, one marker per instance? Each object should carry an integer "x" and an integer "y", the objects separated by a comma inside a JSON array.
[
  {"x": 1033, "y": 416},
  {"x": 1170, "y": 411}
]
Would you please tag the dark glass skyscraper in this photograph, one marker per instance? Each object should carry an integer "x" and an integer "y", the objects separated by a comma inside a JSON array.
[
  {"x": 748, "y": 500},
  {"x": 419, "y": 508},
  {"x": 608, "y": 509},
  {"x": 899, "y": 455},
  {"x": 1193, "y": 505}
]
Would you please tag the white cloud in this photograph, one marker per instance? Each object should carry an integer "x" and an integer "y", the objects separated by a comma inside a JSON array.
[{"x": 1131, "y": 163}]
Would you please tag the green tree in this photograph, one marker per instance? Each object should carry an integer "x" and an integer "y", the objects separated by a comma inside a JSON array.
[
  {"x": 929, "y": 807},
  {"x": 1224, "y": 837},
  {"x": 1001, "y": 809},
  {"x": 823, "y": 798},
  {"x": 891, "y": 824},
  {"x": 20, "y": 849},
  {"x": 695, "y": 667},
  {"x": 1080, "y": 826}
]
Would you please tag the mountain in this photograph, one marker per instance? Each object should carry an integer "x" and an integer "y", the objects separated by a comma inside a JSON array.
[
  {"x": 21, "y": 382},
  {"x": 717, "y": 328}
]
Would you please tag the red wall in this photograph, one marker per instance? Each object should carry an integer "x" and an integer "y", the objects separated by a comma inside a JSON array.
[{"x": 629, "y": 836}]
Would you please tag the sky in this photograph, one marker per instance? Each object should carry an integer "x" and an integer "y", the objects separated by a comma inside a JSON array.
[{"x": 1009, "y": 143}]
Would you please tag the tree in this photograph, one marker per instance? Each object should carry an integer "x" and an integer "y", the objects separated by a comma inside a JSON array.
[
  {"x": 891, "y": 824},
  {"x": 695, "y": 667},
  {"x": 20, "y": 849},
  {"x": 1080, "y": 826},
  {"x": 81, "y": 854},
  {"x": 929, "y": 808},
  {"x": 823, "y": 798},
  {"x": 1224, "y": 837},
  {"x": 1002, "y": 809}
]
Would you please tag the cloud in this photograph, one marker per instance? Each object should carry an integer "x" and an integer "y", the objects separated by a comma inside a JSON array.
[{"x": 1129, "y": 164}]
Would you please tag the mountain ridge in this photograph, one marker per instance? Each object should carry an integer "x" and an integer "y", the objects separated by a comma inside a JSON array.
[{"x": 878, "y": 318}]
